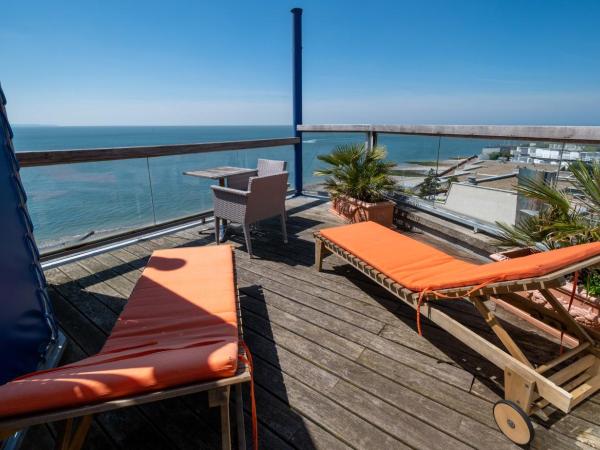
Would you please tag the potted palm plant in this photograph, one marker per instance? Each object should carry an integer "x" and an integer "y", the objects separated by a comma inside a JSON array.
[{"x": 358, "y": 178}]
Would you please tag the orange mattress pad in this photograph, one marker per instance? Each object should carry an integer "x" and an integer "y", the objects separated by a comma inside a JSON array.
[
  {"x": 418, "y": 266},
  {"x": 180, "y": 326}
]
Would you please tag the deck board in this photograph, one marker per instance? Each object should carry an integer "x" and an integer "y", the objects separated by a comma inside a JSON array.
[{"x": 338, "y": 362}]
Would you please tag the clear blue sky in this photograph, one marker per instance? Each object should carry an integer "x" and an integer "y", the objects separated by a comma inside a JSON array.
[{"x": 229, "y": 62}]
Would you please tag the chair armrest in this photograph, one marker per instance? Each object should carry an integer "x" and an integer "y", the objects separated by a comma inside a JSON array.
[
  {"x": 230, "y": 204},
  {"x": 230, "y": 191}
]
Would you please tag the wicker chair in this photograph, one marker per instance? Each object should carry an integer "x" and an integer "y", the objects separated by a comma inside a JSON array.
[
  {"x": 265, "y": 198},
  {"x": 263, "y": 167}
]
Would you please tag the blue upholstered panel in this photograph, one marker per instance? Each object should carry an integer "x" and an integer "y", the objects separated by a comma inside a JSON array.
[{"x": 27, "y": 325}]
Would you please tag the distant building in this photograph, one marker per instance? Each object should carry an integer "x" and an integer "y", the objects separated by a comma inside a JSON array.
[
  {"x": 488, "y": 153},
  {"x": 552, "y": 154}
]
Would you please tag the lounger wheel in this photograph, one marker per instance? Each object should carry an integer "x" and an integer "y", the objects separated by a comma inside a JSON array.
[{"x": 513, "y": 422}]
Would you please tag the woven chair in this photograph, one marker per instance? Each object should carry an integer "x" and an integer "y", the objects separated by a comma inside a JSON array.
[
  {"x": 263, "y": 167},
  {"x": 265, "y": 198}
]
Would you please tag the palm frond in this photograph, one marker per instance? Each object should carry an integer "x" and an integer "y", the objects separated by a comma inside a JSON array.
[
  {"x": 588, "y": 180},
  {"x": 562, "y": 221},
  {"x": 546, "y": 193}
]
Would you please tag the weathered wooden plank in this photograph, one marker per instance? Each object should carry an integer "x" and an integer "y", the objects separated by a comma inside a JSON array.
[
  {"x": 87, "y": 304},
  {"x": 103, "y": 272},
  {"x": 312, "y": 436},
  {"x": 307, "y": 281},
  {"x": 337, "y": 420},
  {"x": 437, "y": 414},
  {"x": 405, "y": 427},
  {"x": 295, "y": 366},
  {"x": 570, "y": 427},
  {"x": 119, "y": 267},
  {"x": 333, "y": 306},
  {"x": 315, "y": 333},
  {"x": 93, "y": 284},
  {"x": 76, "y": 326},
  {"x": 362, "y": 338}
]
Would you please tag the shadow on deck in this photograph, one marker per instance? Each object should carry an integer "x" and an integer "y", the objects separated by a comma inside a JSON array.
[{"x": 338, "y": 362}]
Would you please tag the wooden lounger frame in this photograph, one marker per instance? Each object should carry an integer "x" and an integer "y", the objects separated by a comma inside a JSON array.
[
  {"x": 73, "y": 432},
  {"x": 575, "y": 374}
]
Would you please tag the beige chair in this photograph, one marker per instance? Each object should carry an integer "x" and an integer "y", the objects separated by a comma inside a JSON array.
[
  {"x": 263, "y": 167},
  {"x": 264, "y": 198}
]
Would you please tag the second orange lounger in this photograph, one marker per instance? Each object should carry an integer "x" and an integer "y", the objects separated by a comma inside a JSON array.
[
  {"x": 416, "y": 272},
  {"x": 178, "y": 334}
]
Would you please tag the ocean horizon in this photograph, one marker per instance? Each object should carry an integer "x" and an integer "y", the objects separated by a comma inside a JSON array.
[{"x": 74, "y": 202}]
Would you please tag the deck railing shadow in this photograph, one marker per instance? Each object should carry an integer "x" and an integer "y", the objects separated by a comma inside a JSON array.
[{"x": 273, "y": 404}]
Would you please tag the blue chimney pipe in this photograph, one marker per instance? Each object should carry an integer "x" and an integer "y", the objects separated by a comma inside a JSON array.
[{"x": 297, "y": 95}]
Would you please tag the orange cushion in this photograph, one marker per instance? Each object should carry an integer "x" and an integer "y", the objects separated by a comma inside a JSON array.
[
  {"x": 178, "y": 327},
  {"x": 418, "y": 266}
]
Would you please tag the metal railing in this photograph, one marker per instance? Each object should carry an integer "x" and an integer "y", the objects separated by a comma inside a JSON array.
[
  {"x": 92, "y": 170},
  {"x": 576, "y": 134},
  {"x": 373, "y": 133},
  {"x": 47, "y": 158},
  {"x": 432, "y": 145}
]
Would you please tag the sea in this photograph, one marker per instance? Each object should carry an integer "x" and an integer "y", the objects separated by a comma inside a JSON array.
[{"x": 72, "y": 203}]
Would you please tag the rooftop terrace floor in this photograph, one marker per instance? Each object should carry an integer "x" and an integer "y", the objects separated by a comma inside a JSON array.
[{"x": 338, "y": 362}]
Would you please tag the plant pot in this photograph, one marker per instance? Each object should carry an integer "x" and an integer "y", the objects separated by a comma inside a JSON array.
[{"x": 353, "y": 210}]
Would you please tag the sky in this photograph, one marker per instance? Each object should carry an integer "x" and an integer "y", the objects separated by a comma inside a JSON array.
[{"x": 230, "y": 62}]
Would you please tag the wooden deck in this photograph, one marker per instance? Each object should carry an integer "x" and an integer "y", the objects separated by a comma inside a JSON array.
[{"x": 338, "y": 361}]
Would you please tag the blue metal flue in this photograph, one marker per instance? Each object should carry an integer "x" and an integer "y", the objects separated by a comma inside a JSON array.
[{"x": 297, "y": 95}]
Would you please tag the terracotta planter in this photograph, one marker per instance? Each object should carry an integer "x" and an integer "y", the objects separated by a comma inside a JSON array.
[
  {"x": 353, "y": 210},
  {"x": 585, "y": 308}
]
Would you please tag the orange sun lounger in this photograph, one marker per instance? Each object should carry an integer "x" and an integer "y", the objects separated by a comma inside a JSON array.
[
  {"x": 417, "y": 273},
  {"x": 177, "y": 335}
]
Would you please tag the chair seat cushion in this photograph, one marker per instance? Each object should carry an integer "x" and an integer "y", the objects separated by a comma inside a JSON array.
[
  {"x": 418, "y": 266},
  {"x": 179, "y": 326}
]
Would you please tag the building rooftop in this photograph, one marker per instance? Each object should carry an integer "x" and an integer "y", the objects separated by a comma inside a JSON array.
[{"x": 338, "y": 362}]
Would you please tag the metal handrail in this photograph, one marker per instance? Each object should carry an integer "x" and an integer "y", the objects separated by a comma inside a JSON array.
[
  {"x": 75, "y": 251},
  {"x": 575, "y": 134},
  {"x": 53, "y": 157}
]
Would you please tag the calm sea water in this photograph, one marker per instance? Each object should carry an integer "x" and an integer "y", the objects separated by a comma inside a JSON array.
[{"x": 82, "y": 201}]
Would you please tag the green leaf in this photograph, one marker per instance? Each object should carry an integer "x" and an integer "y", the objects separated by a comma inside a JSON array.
[{"x": 358, "y": 172}]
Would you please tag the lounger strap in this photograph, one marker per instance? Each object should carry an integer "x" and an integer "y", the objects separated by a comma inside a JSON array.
[
  {"x": 422, "y": 295},
  {"x": 573, "y": 291},
  {"x": 426, "y": 291},
  {"x": 247, "y": 359}
]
